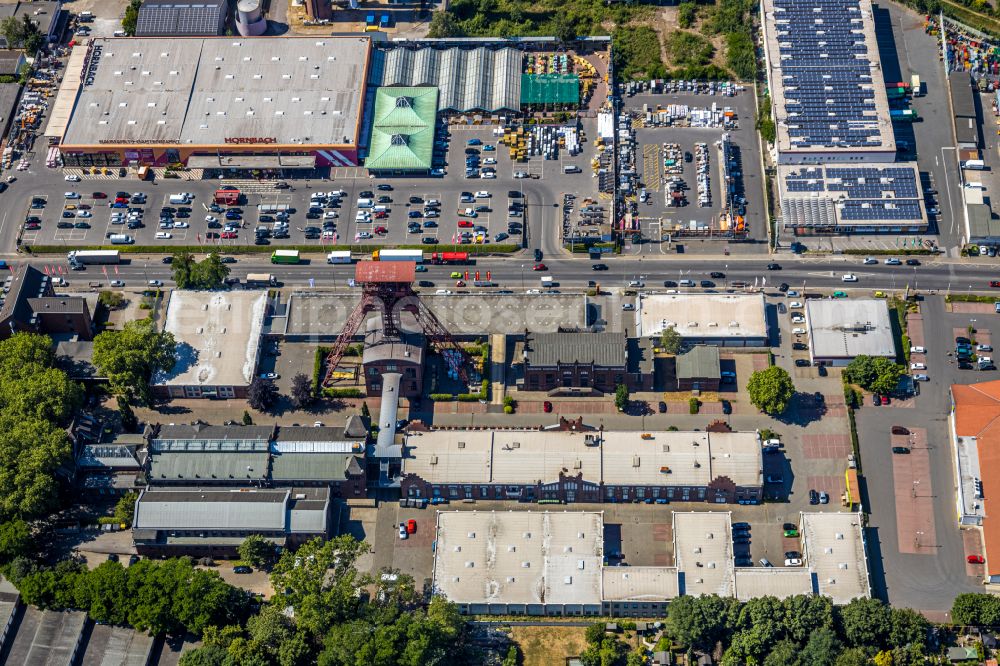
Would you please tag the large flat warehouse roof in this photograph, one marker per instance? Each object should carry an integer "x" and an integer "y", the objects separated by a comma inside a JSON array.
[
  {"x": 702, "y": 315},
  {"x": 826, "y": 80},
  {"x": 609, "y": 457},
  {"x": 218, "y": 337},
  {"x": 519, "y": 557},
  {"x": 841, "y": 197},
  {"x": 221, "y": 91}
]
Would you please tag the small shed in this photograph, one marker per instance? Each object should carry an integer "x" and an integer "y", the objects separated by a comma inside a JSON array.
[{"x": 962, "y": 654}]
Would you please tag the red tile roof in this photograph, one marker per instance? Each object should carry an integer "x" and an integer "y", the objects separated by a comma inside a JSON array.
[{"x": 977, "y": 414}]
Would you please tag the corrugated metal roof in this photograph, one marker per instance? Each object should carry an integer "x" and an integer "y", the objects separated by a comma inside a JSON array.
[
  {"x": 601, "y": 349},
  {"x": 310, "y": 466},
  {"x": 195, "y": 467},
  {"x": 256, "y": 509},
  {"x": 478, "y": 79}
]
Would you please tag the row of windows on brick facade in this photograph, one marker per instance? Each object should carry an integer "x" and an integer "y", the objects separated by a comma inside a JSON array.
[{"x": 391, "y": 367}]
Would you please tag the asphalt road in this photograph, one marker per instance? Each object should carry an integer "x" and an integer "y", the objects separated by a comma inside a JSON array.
[{"x": 517, "y": 272}]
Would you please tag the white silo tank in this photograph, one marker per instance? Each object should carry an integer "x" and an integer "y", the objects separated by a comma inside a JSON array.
[{"x": 249, "y": 18}]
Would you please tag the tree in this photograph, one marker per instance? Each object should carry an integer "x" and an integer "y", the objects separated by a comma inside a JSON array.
[
  {"x": 182, "y": 266},
  {"x": 699, "y": 621},
  {"x": 129, "y": 422},
  {"x": 302, "y": 395},
  {"x": 262, "y": 394},
  {"x": 31, "y": 36},
  {"x": 125, "y": 508},
  {"x": 512, "y": 658},
  {"x": 865, "y": 622},
  {"x": 209, "y": 273},
  {"x": 130, "y": 357},
  {"x": 907, "y": 628},
  {"x": 257, "y": 551},
  {"x": 15, "y": 540},
  {"x": 971, "y": 608},
  {"x": 443, "y": 24},
  {"x": 563, "y": 28},
  {"x": 821, "y": 649},
  {"x": 671, "y": 341},
  {"x": 131, "y": 17},
  {"x": 876, "y": 374},
  {"x": 247, "y": 419},
  {"x": 206, "y": 655},
  {"x": 770, "y": 390},
  {"x": 784, "y": 653},
  {"x": 621, "y": 397},
  {"x": 804, "y": 614},
  {"x": 32, "y": 450}
]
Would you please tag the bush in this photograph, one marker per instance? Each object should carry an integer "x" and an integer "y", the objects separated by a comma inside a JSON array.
[
  {"x": 741, "y": 55},
  {"x": 686, "y": 14},
  {"x": 507, "y": 409},
  {"x": 110, "y": 299},
  {"x": 688, "y": 49},
  {"x": 694, "y": 405},
  {"x": 442, "y": 397},
  {"x": 637, "y": 53},
  {"x": 343, "y": 393}
]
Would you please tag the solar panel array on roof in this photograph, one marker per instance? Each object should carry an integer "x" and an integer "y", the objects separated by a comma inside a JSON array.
[
  {"x": 820, "y": 196},
  {"x": 187, "y": 19},
  {"x": 826, "y": 74}
]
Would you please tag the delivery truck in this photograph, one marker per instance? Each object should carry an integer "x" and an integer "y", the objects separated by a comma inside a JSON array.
[{"x": 86, "y": 257}]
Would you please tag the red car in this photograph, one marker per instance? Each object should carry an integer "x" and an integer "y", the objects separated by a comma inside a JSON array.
[
  {"x": 99, "y": 195},
  {"x": 975, "y": 559},
  {"x": 381, "y": 230},
  {"x": 229, "y": 234},
  {"x": 381, "y": 215},
  {"x": 886, "y": 400},
  {"x": 546, "y": 406},
  {"x": 465, "y": 223},
  {"x": 995, "y": 283},
  {"x": 411, "y": 526},
  {"x": 540, "y": 267}
]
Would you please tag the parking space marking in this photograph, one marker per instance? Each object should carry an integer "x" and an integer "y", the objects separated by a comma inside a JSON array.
[
  {"x": 914, "y": 495},
  {"x": 826, "y": 446}
]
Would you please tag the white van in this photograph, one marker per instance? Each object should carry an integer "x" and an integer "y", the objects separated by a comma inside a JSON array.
[
  {"x": 120, "y": 239},
  {"x": 365, "y": 203},
  {"x": 381, "y": 209},
  {"x": 176, "y": 199},
  {"x": 571, "y": 168}
]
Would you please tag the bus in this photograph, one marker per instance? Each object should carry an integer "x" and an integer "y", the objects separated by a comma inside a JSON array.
[
  {"x": 339, "y": 257},
  {"x": 260, "y": 280},
  {"x": 285, "y": 257},
  {"x": 398, "y": 255}
]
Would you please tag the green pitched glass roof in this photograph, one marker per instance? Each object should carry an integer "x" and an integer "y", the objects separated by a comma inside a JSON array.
[{"x": 403, "y": 129}]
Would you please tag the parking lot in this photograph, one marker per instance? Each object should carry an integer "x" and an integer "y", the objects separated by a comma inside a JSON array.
[
  {"x": 86, "y": 215},
  {"x": 678, "y": 133}
]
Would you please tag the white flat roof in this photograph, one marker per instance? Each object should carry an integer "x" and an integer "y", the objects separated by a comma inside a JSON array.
[
  {"x": 519, "y": 557},
  {"x": 702, "y": 315},
  {"x": 218, "y": 337},
  {"x": 221, "y": 90},
  {"x": 649, "y": 584},
  {"x": 842, "y": 328},
  {"x": 834, "y": 547},
  {"x": 703, "y": 552},
  {"x": 777, "y": 582},
  {"x": 621, "y": 458}
]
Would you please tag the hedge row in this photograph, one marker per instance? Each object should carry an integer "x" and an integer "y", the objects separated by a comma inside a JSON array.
[
  {"x": 343, "y": 393},
  {"x": 901, "y": 252},
  {"x": 499, "y": 248}
]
